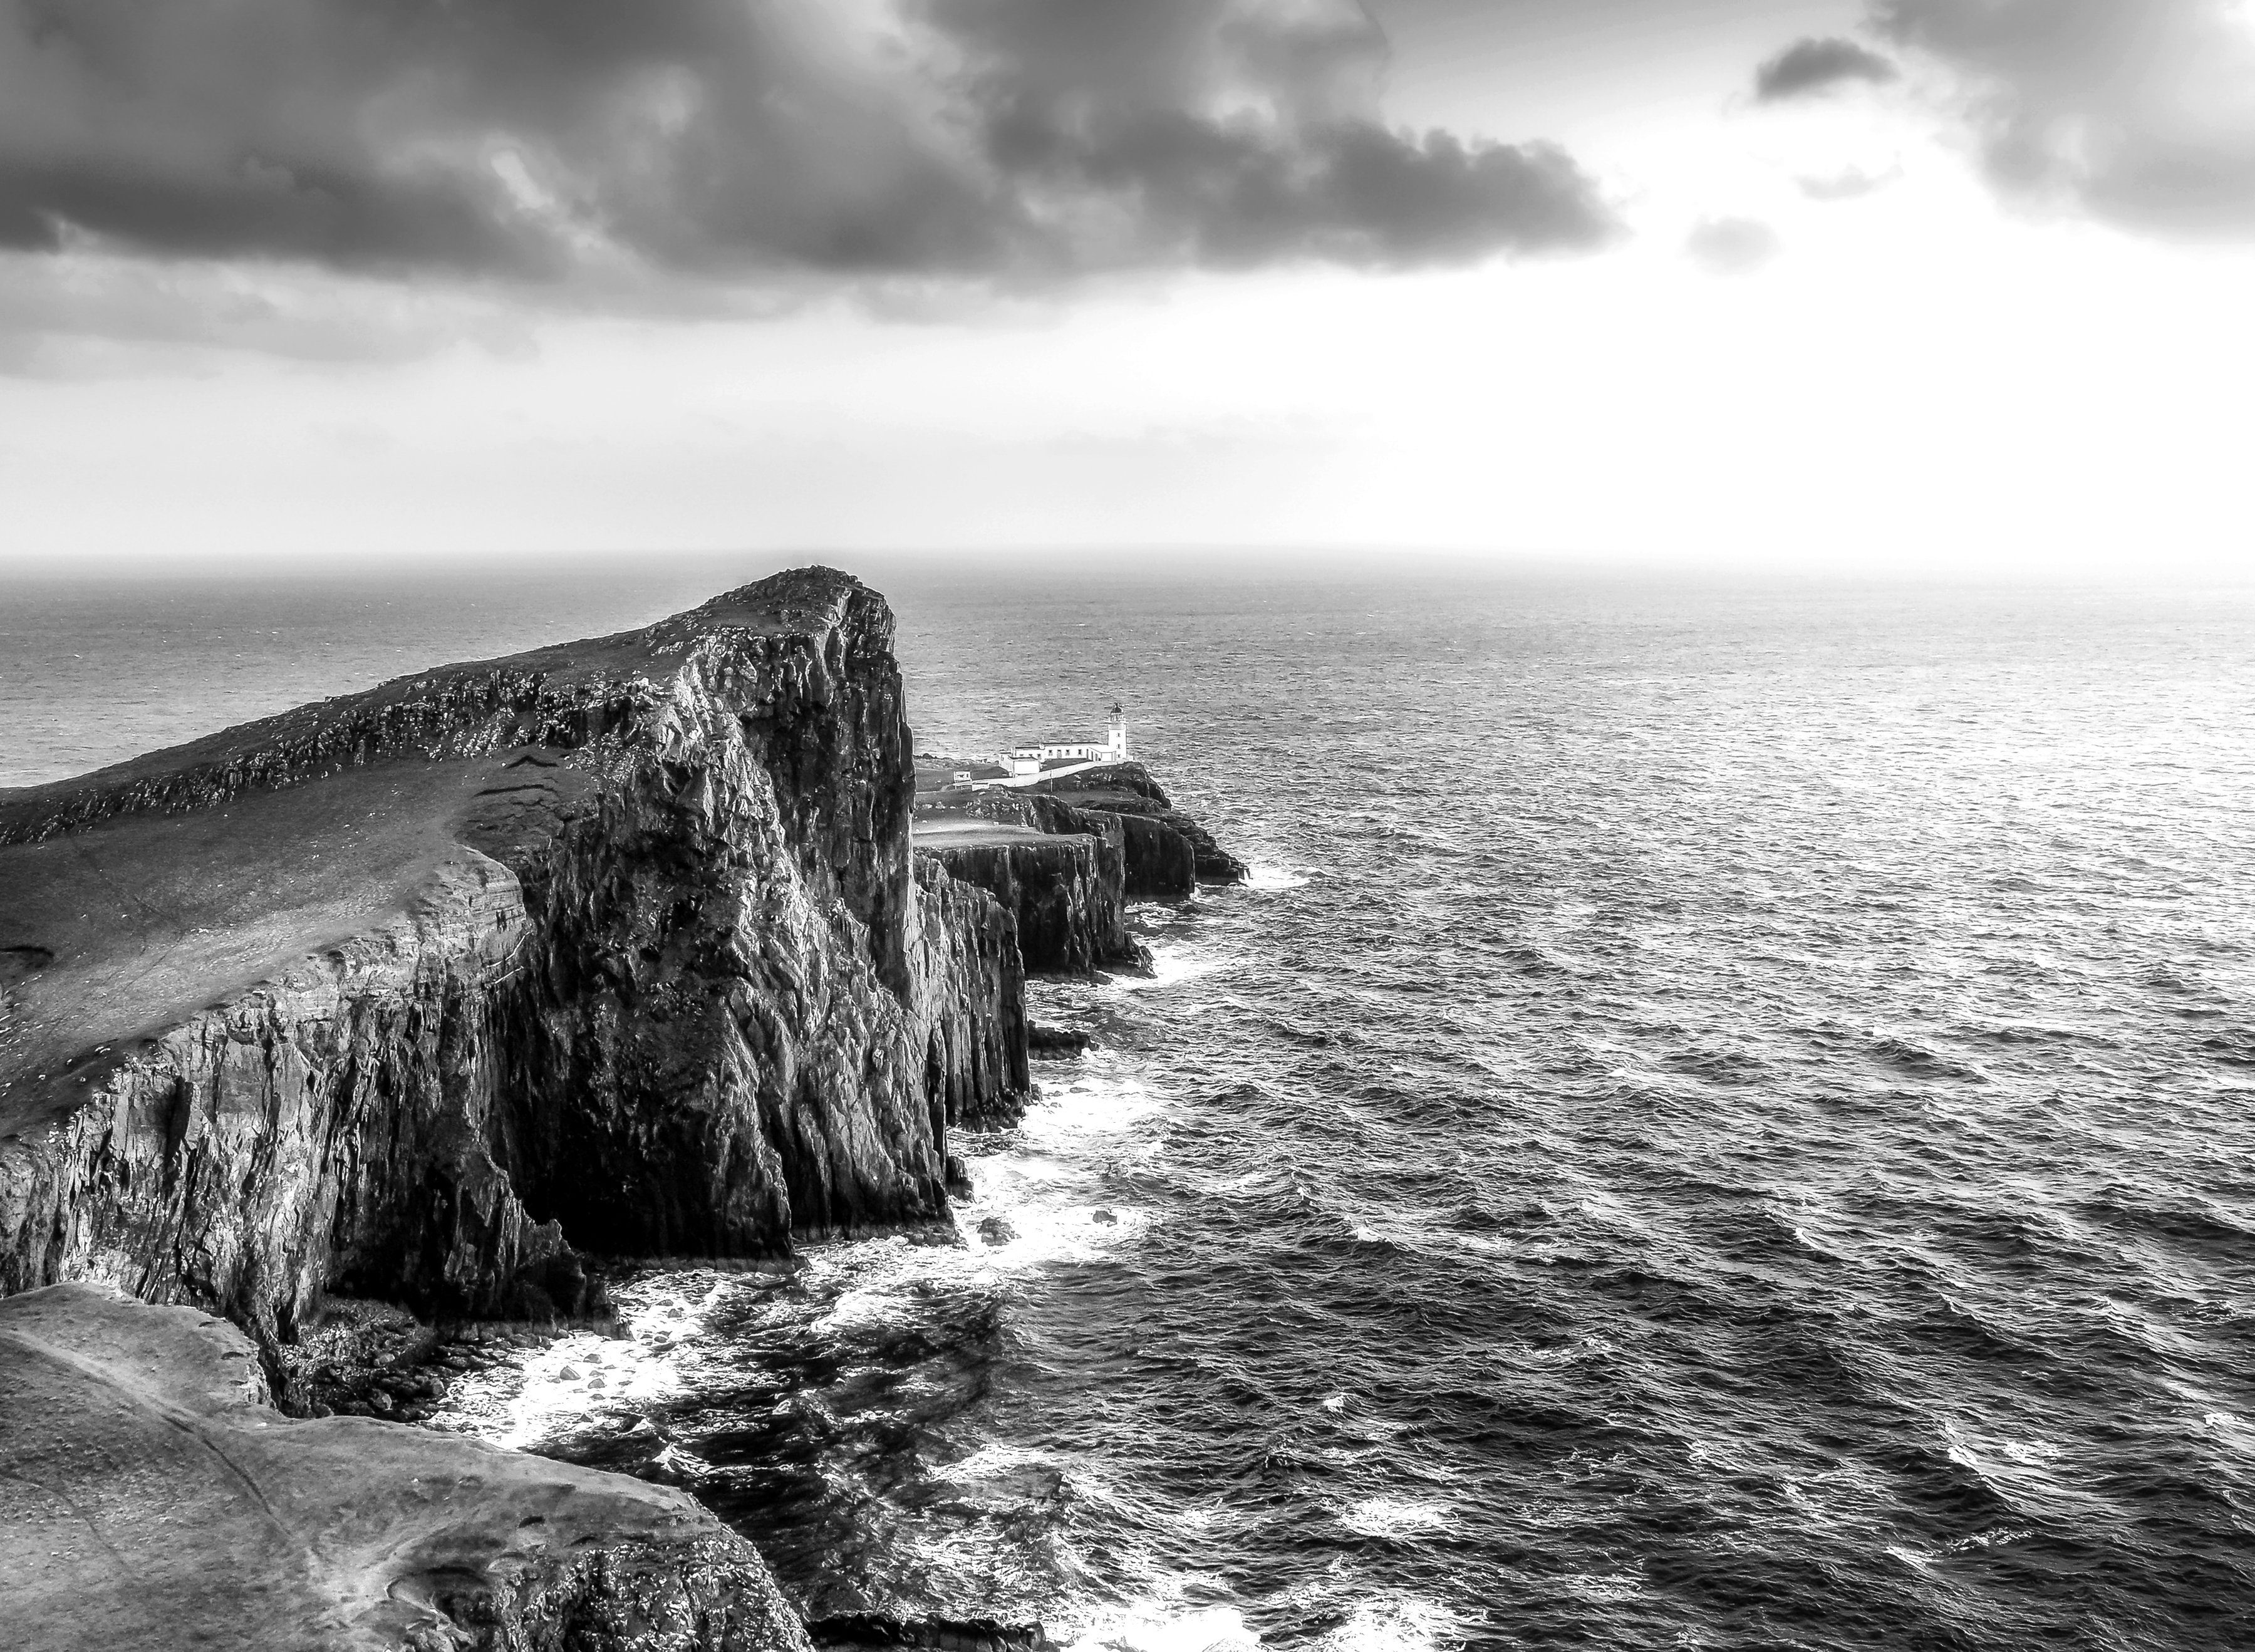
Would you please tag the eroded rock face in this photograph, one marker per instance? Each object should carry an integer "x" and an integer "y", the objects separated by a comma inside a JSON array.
[
  {"x": 1065, "y": 892},
  {"x": 972, "y": 980},
  {"x": 614, "y": 947},
  {"x": 1156, "y": 862},
  {"x": 154, "y": 1502},
  {"x": 1127, "y": 791}
]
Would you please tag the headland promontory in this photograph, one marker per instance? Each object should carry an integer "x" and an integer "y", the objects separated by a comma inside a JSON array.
[{"x": 434, "y": 996}]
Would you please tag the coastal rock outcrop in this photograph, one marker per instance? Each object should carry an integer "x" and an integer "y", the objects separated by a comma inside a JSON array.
[
  {"x": 972, "y": 981},
  {"x": 614, "y": 947},
  {"x": 425, "y": 996},
  {"x": 1066, "y": 892},
  {"x": 1126, "y": 792},
  {"x": 1064, "y": 855},
  {"x": 153, "y": 1501},
  {"x": 1155, "y": 860}
]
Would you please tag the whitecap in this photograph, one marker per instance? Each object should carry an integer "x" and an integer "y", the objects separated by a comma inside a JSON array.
[
  {"x": 1986, "y": 1540},
  {"x": 1395, "y": 1623},
  {"x": 1172, "y": 966},
  {"x": 1089, "y": 1105},
  {"x": 1395, "y": 1517},
  {"x": 1149, "y": 1627},
  {"x": 1270, "y": 878}
]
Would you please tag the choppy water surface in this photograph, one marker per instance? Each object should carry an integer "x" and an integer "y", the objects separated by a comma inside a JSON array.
[{"x": 1725, "y": 1121}]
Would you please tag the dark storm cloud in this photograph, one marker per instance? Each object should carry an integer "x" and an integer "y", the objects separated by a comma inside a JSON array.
[
  {"x": 2142, "y": 114},
  {"x": 1811, "y": 66},
  {"x": 594, "y": 138}
]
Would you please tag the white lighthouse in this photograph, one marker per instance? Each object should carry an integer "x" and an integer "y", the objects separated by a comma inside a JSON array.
[{"x": 1115, "y": 733}]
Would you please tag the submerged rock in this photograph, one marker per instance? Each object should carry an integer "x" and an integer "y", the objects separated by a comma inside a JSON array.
[
  {"x": 1056, "y": 1041},
  {"x": 155, "y": 1501}
]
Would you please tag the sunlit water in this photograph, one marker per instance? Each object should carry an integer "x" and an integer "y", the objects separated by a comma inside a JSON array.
[{"x": 1722, "y": 1120}]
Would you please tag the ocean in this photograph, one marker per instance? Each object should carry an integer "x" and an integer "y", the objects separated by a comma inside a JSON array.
[{"x": 1725, "y": 1118}]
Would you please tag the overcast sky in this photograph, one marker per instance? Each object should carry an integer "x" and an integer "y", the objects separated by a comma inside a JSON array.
[{"x": 1820, "y": 283}]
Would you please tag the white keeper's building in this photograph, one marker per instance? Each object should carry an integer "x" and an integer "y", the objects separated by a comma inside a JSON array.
[{"x": 1031, "y": 760}]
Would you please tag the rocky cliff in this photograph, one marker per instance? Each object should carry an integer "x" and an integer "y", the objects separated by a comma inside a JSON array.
[
  {"x": 1155, "y": 862},
  {"x": 1066, "y": 891},
  {"x": 972, "y": 984},
  {"x": 614, "y": 947},
  {"x": 153, "y": 1501},
  {"x": 1065, "y": 856},
  {"x": 1126, "y": 792}
]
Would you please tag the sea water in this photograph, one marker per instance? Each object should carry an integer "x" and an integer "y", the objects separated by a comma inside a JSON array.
[{"x": 1724, "y": 1117}]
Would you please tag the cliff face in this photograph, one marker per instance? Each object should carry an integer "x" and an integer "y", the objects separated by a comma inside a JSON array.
[
  {"x": 155, "y": 1501},
  {"x": 973, "y": 980},
  {"x": 1156, "y": 862},
  {"x": 1125, "y": 791},
  {"x": 614, "y": 947},
  {"x": 1067, "y": 893},
  {"x": 1065, "y": 856}
]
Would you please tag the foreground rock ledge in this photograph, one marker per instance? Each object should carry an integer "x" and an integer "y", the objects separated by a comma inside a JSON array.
[{"x": 153, "y": 1501}]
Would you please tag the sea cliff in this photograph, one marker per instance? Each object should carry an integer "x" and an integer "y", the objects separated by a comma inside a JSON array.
[
  {"x": 1065, "y": 855},
  {"x": 431, "y": 994},
  {"x": 614, "y": 947}
]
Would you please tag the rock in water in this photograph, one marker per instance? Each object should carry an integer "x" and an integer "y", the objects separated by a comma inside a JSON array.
[
  {"x": 153, "y": 1502},
  {"x": 1056, "y": 1041},
  {"x": 616, "y": 945}
]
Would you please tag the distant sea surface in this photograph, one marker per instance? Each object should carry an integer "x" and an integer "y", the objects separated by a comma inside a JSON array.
[{"x": 1725, "y": 1119}]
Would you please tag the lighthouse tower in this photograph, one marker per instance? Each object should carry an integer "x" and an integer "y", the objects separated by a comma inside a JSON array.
[{"x": 1115, "y": 733}]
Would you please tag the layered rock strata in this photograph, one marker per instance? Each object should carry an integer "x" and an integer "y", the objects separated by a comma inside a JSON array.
[
  {"x": 1155, "y": 860},
  {"x": 154, "y": 1501},
  {"x": 614, "y": 947},
  {"x": 1065, "y": 856},
  {"x": 1126, "y": 792},
  {"x": 971, "y": 983},
  {"x": 1066, "y": 891}
]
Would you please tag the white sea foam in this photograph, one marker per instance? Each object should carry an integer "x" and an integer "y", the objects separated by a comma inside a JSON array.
[
  {"x": 1395, "y": 1517},
  {"x": 997, "y": 1460},
  {"x": 1151, "y": 1627},
  {"x": 1172, "y": 966},
  {"x": 1089, "y": 1104},
  {"x": 1395, "y": 1622},
  {"x": 1268, "y": 877},
  {"x": 582, "y": 1373},
  {"x": 1986, "y": 1539}
]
